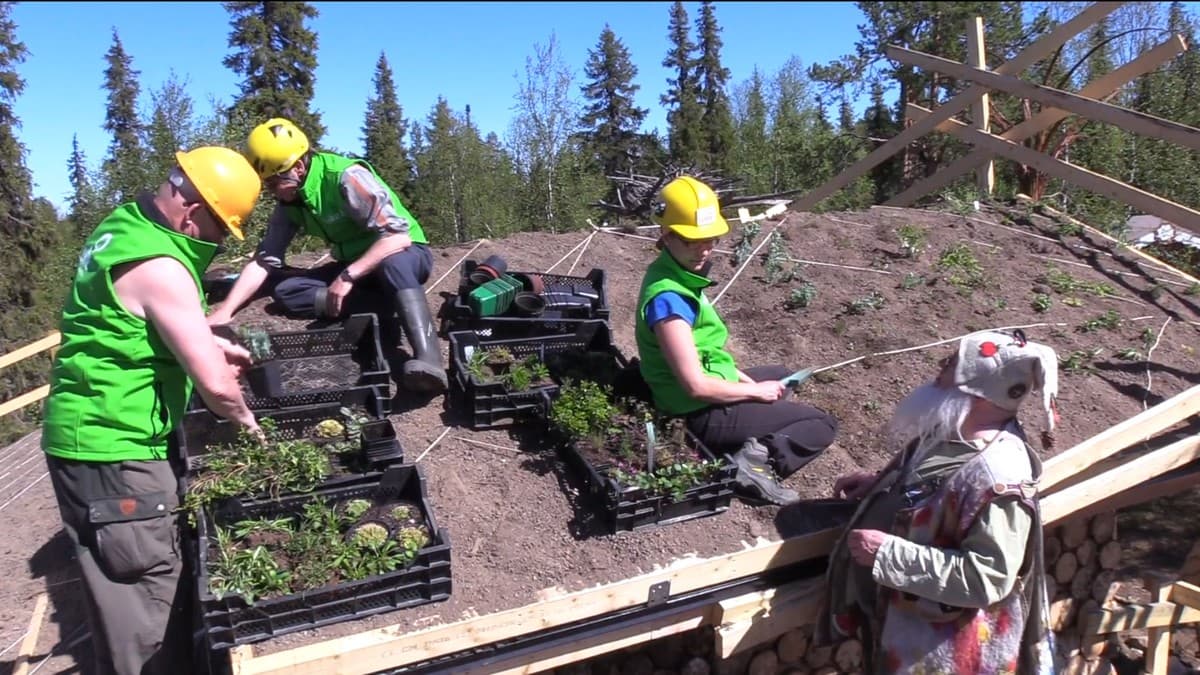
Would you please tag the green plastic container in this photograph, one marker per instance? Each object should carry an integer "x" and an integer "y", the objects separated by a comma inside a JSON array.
[{"x": 494, "y": 297}]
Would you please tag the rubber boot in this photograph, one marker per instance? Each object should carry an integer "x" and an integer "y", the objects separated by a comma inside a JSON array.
[{"x": 424, "y": 372}]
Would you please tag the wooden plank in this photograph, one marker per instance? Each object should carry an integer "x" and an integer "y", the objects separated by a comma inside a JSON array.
[
  {"x": 1104, "y": 235},
  {"x": 1160, "y": 487},
  {"x": 21, "y": 665},
  {"x": 1102, "y": 88},
  {"x": 797, "y": 609},
  {"x": 1158, "y": 640},
  {"x": 1130, "y": 120},
  {"x": 1183, "y": 593},
  {"x": 1189, "y": 571},
  {"x": 25, "y": 399},
  {"x": 1089, "y": 180},
  {"x": 386, "y": 647},
  {"x": 985, "y": 175},
  {"x": 761, "y": 603},
  {"x": 49, "y": 342},
  {"x": 1035, "y": 52},
  {"x": 1116, "y": 438},
  {"x": 596, "y": 645},
  {"x": 1095, "y": 490},
  {"x": 1139, "y": 617}
]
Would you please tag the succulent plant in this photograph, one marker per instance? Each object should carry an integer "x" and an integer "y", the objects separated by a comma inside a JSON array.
[
  {"x": 257, "y": 341},
  {"x": 330, "y": 429},
  {"x": 370, "y": 535},
  {"x": 402, "y": 513},
  {"x": 355, "y": 508}
]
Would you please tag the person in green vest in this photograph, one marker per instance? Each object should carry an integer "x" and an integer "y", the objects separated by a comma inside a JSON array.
[
  {"x": 375, "y": 242},
  {"x": 134, "y": 343},
  {"x": 690, "y": 374}
]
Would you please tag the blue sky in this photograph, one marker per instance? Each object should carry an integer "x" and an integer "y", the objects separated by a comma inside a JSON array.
[{"x": 469, "y": 53}]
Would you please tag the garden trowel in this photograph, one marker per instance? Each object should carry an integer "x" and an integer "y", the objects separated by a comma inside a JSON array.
[{"x": 797, "y": 378}]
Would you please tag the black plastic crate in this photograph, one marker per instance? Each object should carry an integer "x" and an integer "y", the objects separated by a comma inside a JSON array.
[
  {"x": 491, "y": 404},
  {"x": 230, "y": 621},
  {"x": 380, "y": 447},
  {"x": 457, "y": 314},
  {"x": 350, "y": 351},
  {"x": 631, "y": 508}
]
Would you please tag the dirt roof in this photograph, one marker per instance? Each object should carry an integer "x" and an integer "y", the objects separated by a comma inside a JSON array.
[{"x": 513, "y": 510}]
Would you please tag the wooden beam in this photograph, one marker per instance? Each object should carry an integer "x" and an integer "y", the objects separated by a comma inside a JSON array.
[
  {"x": 1104, "y": 235},
  {"x": 386, "y": 647},
  {"x": 49, "y": 342},
  {"x": 985, "y": 175},
  {"x": 1158, "y": 640},
  {"x": 1164, "y": 485},
  {"x": 1072, "y": 173},
  {"x": 1130, "y": 120},
  {"x": 21, "y": 665},
  {"x": 1116, "y": 438},
  {"x": 595, "y": 645},
  {"x": 794, "y": 607},
  {"x": 1041, "y": 48},
  {"x": 1138, "y": 617},
  {"x": 1183, "y": 593},
  {"x": 1096, "y": 490},
  {"x": 1102, "y": 88},
  {"x": 24, "y": 399}
]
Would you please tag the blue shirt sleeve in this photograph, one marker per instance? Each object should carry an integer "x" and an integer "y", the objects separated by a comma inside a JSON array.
[{"x": 668, "y": 304}]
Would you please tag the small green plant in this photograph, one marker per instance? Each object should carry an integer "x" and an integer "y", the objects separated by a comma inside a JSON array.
[
  {"x": 745, "y": 245},
  {"x": 911, "y": 281},
  {"x": 1000, "y": 303},
  {"x": 1079, "y": 361},
  {"x": 1065, "y": 284},
  {"x": 776, "y": 261},
  {"x": 401, "y": 513},
  {"x": 252, "y": 573},
  {"x": 1072, "y": 301},
  {"x": 369, "y": 535},
  {"x": 801, "y": 297},
  {"x": 873, "y": 301},
  {"x": 355, "y": 508},
  {"x": 1129, "y": 354},
  {"x": 1109, "y": 320},
  {"x": 912, "y": 240},
  {"x": 582, "y": 409},
  {"x": 1067, "y": 228},
  {"x": 871, "y": 406},
  {"x": 257, "y": 341},
  {"x": 964, "y": 268},
  {"x": 1041, "y": 303}
]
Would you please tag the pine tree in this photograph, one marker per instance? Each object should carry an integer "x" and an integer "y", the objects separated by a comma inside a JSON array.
[
  {"x": 683, "y": 92},
  {"x": 751, "y": 152},
  {"x": 878, "y": 123},
  {"x": 276, "y": 55},
  {"x": 124, "y": 172},
  {"x": 172, "y": 126},
  {"x": 83, "y": 203},
  {"x": 611, "y": 119},
  {"x": 717, "y": 122},
  {"x": 384, "y": 128}
]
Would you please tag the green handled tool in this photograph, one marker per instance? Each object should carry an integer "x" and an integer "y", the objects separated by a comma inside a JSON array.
[{"x": 797, "y": 378}]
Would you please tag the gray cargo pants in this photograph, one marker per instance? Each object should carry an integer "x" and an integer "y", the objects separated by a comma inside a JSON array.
[{"x": 121, "y": 518}]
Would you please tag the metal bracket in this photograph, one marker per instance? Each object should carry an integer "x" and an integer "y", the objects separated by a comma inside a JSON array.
[{"x": 658, "y": 593}]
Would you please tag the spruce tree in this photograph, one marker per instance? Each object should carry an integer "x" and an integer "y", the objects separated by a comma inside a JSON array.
[
  {"x": 751, "y": 152},
  {"x": 172, "y": 126},
  {"x": 384, "y": 129},
  {"x": 83, "y": 203},
  {"x": 682, "y": 97},
  {"x": 717, "y": 121},
  {"x": 276, "y": 55},
  {"x": 124, "y": 171},
  {"x": 611, "y": 119}
]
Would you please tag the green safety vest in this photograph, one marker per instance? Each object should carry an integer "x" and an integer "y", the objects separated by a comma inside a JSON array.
[
  {"x": 322, "y": 213},
  {"x": 116, "y": 390},
  {"x": 708, "y": 331}
]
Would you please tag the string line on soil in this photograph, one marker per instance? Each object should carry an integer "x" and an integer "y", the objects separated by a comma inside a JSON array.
[
  {"x": 1148, "y": 353},
  {"x": 14, "y": 643},
  {"x": 64, "y": 645},
  {"x": 486, "y": 445},
  {"x": 453, "y": 267},
  {"x": 568, "y": 254},
  {"x": 727, "y": 252},
  {"x": 581, "y": 250},
  {"x": 18, "y": 495},
  {"x": 435, "y": 442},
  {"x": 931, "y": 344},
  {"x": 766, "y": 238},
  {"x": 1064, "y": 261},
  {"x": 843, "y": 221}
]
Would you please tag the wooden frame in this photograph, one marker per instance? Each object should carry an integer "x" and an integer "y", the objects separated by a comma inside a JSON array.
[{"x": 51, "y": 343}]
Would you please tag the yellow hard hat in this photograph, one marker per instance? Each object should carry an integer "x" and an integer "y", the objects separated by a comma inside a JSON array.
[
  {"x": 225, "y": 180},
  {"x": 689, "y": 208},
  {"x": 274, "y": 146}
]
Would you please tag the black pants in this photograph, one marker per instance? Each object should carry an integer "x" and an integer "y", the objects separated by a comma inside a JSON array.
[
  {"x": 794, "y": 433},
  {"x": 409, "y": 268}
]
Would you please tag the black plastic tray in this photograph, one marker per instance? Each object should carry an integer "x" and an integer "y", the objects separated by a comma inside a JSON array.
[
  {"x": 491, "y": 404},
  {"x": 356, "y": 339},
  {"x": 230, "y": 621},
  {"x": 457, "y": 314},
  {"x": 380, "y": 447},
  {"x": 630, "y": 508}
]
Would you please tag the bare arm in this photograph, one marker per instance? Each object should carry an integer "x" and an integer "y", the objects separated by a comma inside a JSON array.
[
  {"x": 679, "y": 350},
  {"x": 270, "y": 253},
  {"x": 162, "y": 292}
]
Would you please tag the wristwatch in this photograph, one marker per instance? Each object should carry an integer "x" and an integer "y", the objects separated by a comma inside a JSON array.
[{"x": 345, "y": 275}]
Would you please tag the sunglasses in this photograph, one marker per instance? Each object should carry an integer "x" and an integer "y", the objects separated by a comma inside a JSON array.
[{"x": 177, "y": 179}]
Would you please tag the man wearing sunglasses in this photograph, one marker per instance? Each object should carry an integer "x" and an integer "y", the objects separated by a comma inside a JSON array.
[
  {"x": 134, "y": 341},
  {"x": 374, "y": 241}
]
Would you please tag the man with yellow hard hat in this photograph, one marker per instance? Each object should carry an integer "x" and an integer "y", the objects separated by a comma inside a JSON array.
[
  {"x": 134, "y": 342},
  {"x": 681, "y": 346},
  {"x": 374, "y": 241}
]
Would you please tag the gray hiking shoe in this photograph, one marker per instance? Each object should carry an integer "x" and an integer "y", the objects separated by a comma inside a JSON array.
[{"x": 755, "y": 477}]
